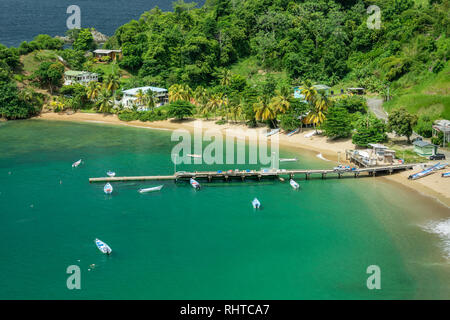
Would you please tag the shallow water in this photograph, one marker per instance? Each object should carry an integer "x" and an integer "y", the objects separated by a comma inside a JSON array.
[{"x": 211, "y": 244}]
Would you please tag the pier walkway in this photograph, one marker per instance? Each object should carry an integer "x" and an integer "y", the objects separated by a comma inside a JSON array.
[{"x": 258, "y": 175}]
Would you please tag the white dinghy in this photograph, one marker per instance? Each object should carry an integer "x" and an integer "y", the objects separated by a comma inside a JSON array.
[
  {"x": 158, "y": 188},
  {"x": 103, "y": 247},
  {"x": 108, "y": 189},
  {"x": 111, "y": 174},
  {"x": 256, "y": 204},
  {"x": 294, "y": 184},
  {"x": 76, "y": 164},
  {"x": 194, "y": 184}
]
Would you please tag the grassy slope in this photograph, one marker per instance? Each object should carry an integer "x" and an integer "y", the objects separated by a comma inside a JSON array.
[
  {"x": 254, "y": 74},
  {"x": 430, "y": 97}
]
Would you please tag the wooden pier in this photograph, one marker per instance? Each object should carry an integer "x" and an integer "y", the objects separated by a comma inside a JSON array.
[{"x": 258, "y": 175}]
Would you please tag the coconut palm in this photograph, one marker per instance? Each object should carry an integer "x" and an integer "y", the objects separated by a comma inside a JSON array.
[
  {"x": 93, "y": 90},
  {"x": 308, "y": 91},
  {"x": 112, "y": 83},
  {"x": 214, "y": 103},
  {"x": 263, "y": 110},
  {"x": 140, "y": 97},
  {"x": 280, "y": 103},
  {"x": 175, "y": 92},
  {"x": 318, "y": 109},
  {"x": 150, "y": 99},
  {"x": 104, "y": 102},
  {"x": 225, "y": 77}
]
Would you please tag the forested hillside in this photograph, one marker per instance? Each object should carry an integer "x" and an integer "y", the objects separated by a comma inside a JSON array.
[{"x": 325, "y": 41}]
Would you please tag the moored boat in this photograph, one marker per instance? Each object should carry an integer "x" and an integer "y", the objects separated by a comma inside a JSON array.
[
  {"x": 294, "y": 184},
  {"x": 446, "y": 175},
  {"x": 103, "y": 247},
  {"x": 194, "y": 155},
  {"x": 194, "y": 184},
  {"x": 256, "y": 204},
  {"x": 158, "y": 188},
  {"x": 76, "y": 164},
  {"x": 293, "y": 132},
  {"x": 111, "y": 174},
  {"x": 108, "y": 189}
]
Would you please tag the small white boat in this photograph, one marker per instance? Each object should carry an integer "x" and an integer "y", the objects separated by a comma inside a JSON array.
[
  {"x": 256, "y": 204},
  {"x": 158, "y": 188},
  {"x": 103, "y": 247},
  {"x": 293, "y": 132},
  {"x": 445, "y": 175},
  {"x": 294, "y": 184},
  {"x": 76, "y": 164},
  {"x": 194, "y": 155},
  {"x": 111, "y": 174},
  {"x": 194, "y": 184},
  {"x": 288, "y": 160},
  {"x": 271, "y": 133},
  {"x": 108, "y": 189}
]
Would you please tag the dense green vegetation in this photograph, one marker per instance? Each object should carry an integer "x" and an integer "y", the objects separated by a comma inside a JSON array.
[{"x": 238, "y": 60}]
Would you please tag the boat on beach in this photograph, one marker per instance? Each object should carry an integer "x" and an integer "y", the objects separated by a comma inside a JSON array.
[
  {"x": 111, "y": 174},
  {"x": 427, "y": 172},
  {"x": 271, "y": 133},
  {"x": 158, "y": 188},
  {"x": 194, "y": 184},
  {"x": 294, "y": 184},
  {"x": 76, "y": 164},
  {"x": 293, "y": 132},
  {"x": 103, "y": 247},
  {"x": 446, "y": 175},
  {"x": 108, "y": 189},
  {"x": 256, "y": 204},
  {"x": 288, "y": 159}
]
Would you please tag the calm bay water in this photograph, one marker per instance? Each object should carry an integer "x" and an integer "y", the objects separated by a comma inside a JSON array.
[
  {"x": 22, "y": 20},
  {"x": 211, "y": 244}
]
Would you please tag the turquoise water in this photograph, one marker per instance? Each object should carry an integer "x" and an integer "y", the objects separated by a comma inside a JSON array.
[{"x": 211, "y": 244}]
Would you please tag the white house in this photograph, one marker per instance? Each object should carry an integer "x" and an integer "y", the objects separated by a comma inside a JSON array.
[
  {"x": 81, "y": 77},
  {"x": 130, "y": 96}
]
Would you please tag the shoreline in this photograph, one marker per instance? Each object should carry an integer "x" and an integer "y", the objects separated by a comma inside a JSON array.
[{"x": 431, "y": 186}]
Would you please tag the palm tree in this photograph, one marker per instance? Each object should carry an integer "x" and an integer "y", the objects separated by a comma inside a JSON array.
[
  {"x": 224, "y": 103},
  {"x": 280, "y": 103},
  {"x": 175, "y": 92},
  {"x": 140, "y": 97},
  {"x": 93, "y": 90},
  {"x": 150, "y": 99},
  {"x": 112, "y": 83},
  {"x": 308, "y": 91},
  {"x": 214, "y": 103},
  {"x": 263, "y": 110},
  {"x": 104, "y": 102},
  {"x": 317, "y": 112}
]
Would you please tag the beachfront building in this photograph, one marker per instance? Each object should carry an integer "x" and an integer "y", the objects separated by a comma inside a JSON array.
[
  {"x": 444, "y": 127},
  {"x": 424, "y": 148},
  {"x": 81, "y": 77},
  {"x": 319, "y": 88},
  {"x": 358, "y": 91},
  {"x": 382, "y": 154},
  {"x": 112, "y": 54},
  {"x": 130, "y": 98}
]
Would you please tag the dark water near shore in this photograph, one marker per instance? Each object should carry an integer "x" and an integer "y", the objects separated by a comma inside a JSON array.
[
  {"x": 211, "y": 244},
  {"x": 22, "y": 20}
]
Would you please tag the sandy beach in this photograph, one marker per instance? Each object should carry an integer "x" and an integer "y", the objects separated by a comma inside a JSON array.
[{"x": 433, "y": 186}]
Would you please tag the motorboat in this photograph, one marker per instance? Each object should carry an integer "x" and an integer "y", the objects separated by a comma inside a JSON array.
[
  {"x": 111, "y": 174},
  {"x": 103, "y": 247},
  {"x": 76, "y": 164},
  {"x": 294, "y": 184},
  {"x": 194, "y": 184},
  {"x": 256, "y": 204},
  {"x": 288, "y": 159},
  {"x": 158, "y": 188},
  {"x": 108, "y": 189}
]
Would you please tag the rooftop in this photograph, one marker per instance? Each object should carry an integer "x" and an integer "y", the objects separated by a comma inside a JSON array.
[
  {"x": 442, "y": 125},
  {"x": 78, "y": 73},
  {"x": 134, "y": 91},
  {"x": 421, "y": 143},
  {"x": 106, "y": 51}
]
